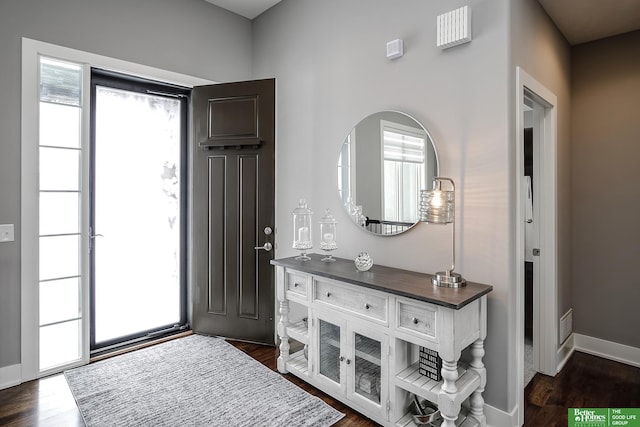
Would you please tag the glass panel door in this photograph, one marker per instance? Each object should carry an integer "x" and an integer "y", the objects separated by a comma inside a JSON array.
[
  {"x": 137, "y": 214},
  {"x": 329, "y": 351},
  {"x": 368, "y": 371},
  {"x": 368, "y": 380}
]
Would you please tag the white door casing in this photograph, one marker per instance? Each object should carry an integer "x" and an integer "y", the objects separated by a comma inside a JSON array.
[{"x": 546, "y": 323}]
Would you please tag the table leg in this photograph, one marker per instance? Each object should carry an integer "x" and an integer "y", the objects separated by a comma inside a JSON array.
[{"x": 284, "y": 338}]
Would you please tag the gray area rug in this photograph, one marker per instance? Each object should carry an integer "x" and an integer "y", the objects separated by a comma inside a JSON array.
[{"x": 192, "y": 381}]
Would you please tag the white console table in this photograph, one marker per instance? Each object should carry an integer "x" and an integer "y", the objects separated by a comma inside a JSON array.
[{"x": 356, "y": 336}]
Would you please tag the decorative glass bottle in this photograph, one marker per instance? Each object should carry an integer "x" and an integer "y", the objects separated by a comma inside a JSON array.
[
  {"x": 328, "y": 235},
  {"x": 302, "y": 229}
]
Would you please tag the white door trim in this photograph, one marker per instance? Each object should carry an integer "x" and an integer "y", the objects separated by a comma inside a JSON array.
[
  {"x": 31, "y": 50},
  {"x": 547, "y": 183}
]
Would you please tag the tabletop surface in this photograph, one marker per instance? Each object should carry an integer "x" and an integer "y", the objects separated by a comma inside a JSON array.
[{"x": 396, "y": 281}]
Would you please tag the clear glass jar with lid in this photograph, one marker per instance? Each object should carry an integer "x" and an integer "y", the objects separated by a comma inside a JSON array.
[
  {"x": 302, "y": 240},
  {"x": 328, "y": 241}
]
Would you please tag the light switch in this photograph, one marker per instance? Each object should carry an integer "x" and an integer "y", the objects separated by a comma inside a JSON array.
[{"x": 6, "y": 233}]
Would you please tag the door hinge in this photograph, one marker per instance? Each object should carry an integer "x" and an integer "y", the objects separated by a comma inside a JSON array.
[{"x": 388, "y": 405}]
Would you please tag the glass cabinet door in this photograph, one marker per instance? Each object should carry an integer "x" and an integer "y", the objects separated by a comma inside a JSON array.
[
  {"x": 329, "y": 351},
  {"x": 367, "y": 366}
]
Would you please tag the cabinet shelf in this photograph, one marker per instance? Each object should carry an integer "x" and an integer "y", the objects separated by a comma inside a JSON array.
[
  {"x": 299, "y": 332},
  {"x": 369, "y": 357},
  {"x": 298, "y": 365},
  {"x": 412, "y": 381},
  {"x": 464, "y": 420}
]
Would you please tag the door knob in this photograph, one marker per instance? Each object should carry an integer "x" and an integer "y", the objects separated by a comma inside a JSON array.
[{"x": 267, "y": 247}]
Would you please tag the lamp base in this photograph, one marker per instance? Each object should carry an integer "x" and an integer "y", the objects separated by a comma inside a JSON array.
[{"x": 448, "y": 280}]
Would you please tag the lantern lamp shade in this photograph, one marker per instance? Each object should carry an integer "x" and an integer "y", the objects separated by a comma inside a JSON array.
[{"x": 437, "y": 206}]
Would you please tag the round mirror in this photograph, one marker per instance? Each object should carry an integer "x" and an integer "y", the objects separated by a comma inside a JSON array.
[{"x": 383, "y": 164}]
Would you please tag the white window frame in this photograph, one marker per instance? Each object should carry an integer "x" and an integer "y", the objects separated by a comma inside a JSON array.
[
  {"x": 31, "y": 52},
  {"x": 405, "y": 130}
]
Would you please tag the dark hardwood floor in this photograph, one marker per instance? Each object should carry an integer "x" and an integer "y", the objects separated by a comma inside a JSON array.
[{"x": 586, "y": 381}]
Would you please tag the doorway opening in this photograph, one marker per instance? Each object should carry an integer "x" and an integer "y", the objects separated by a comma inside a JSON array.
[
  {"x": 536, "y": 235},
  {"x": 138, "y": 188},
  {"x": 533, "y": 128},
  {"x": 55, "y": 154}
]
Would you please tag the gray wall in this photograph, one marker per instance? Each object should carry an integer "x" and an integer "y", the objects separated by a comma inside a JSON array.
[
  {"x": 542, "y": 51},
  {"x": 539, "y": 48},
  {"x": 605, "y": 126},
  {"x": 369, "y": 166},
  {"x": 329, "y": 60},
  {"x": 187, "y": 36}
]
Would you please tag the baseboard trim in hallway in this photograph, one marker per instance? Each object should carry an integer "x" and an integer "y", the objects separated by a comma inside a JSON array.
[
  {"x": 10, "y": 376},
  {"x": 607, "y": 349}
]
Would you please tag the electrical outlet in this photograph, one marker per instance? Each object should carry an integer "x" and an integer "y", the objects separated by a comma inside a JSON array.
[{"x": 6, "y": 233}]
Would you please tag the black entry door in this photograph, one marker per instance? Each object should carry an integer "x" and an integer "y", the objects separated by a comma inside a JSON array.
[{"x": 233, "y": 202}]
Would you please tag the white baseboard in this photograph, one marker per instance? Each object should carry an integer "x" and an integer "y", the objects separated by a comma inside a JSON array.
[
  {"x": 498, "y": 418},
  {"x": 10, "y": 376},
  {"x": 565, "y": 351},
  {"x": 607, "y": 349}
]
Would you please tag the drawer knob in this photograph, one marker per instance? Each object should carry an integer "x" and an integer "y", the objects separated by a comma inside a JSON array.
[
  {"x": 367, "y": 306},
  {"x": 295, "y": 285},
  {"x": 415, "y": 320},
  {"x": 328, "y": 294},
  {"x": 348, "y": 361},
  {"x": 342, "y": 358}
]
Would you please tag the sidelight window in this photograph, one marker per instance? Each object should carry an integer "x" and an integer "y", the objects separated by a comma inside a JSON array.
[{"x": 60, "y": 190}]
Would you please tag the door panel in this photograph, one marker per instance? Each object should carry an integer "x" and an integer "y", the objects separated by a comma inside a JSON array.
[
  {"x": 233, "y": 117},
  {"x": 217, "y": 291},
  {"x": 233, "y": 202},
  {"x": 248, "y": 217}
]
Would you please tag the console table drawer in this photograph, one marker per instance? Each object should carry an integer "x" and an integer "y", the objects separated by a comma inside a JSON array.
[
  {"x": 373, "y": 306},
  {"x": 420, "y": 319},
  {"x": 297, "y": 283}
]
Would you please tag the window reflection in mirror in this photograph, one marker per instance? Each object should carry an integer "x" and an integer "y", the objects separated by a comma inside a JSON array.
[{"x": 383, "y": 164}]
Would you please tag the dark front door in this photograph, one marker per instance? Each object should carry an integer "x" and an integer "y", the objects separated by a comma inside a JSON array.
[{"x": 233, "y": 203}]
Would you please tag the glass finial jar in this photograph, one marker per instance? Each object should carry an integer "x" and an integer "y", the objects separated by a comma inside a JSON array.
[
  {"x": 328, "y": 235},
  {"x": 302, "y": 229}
]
